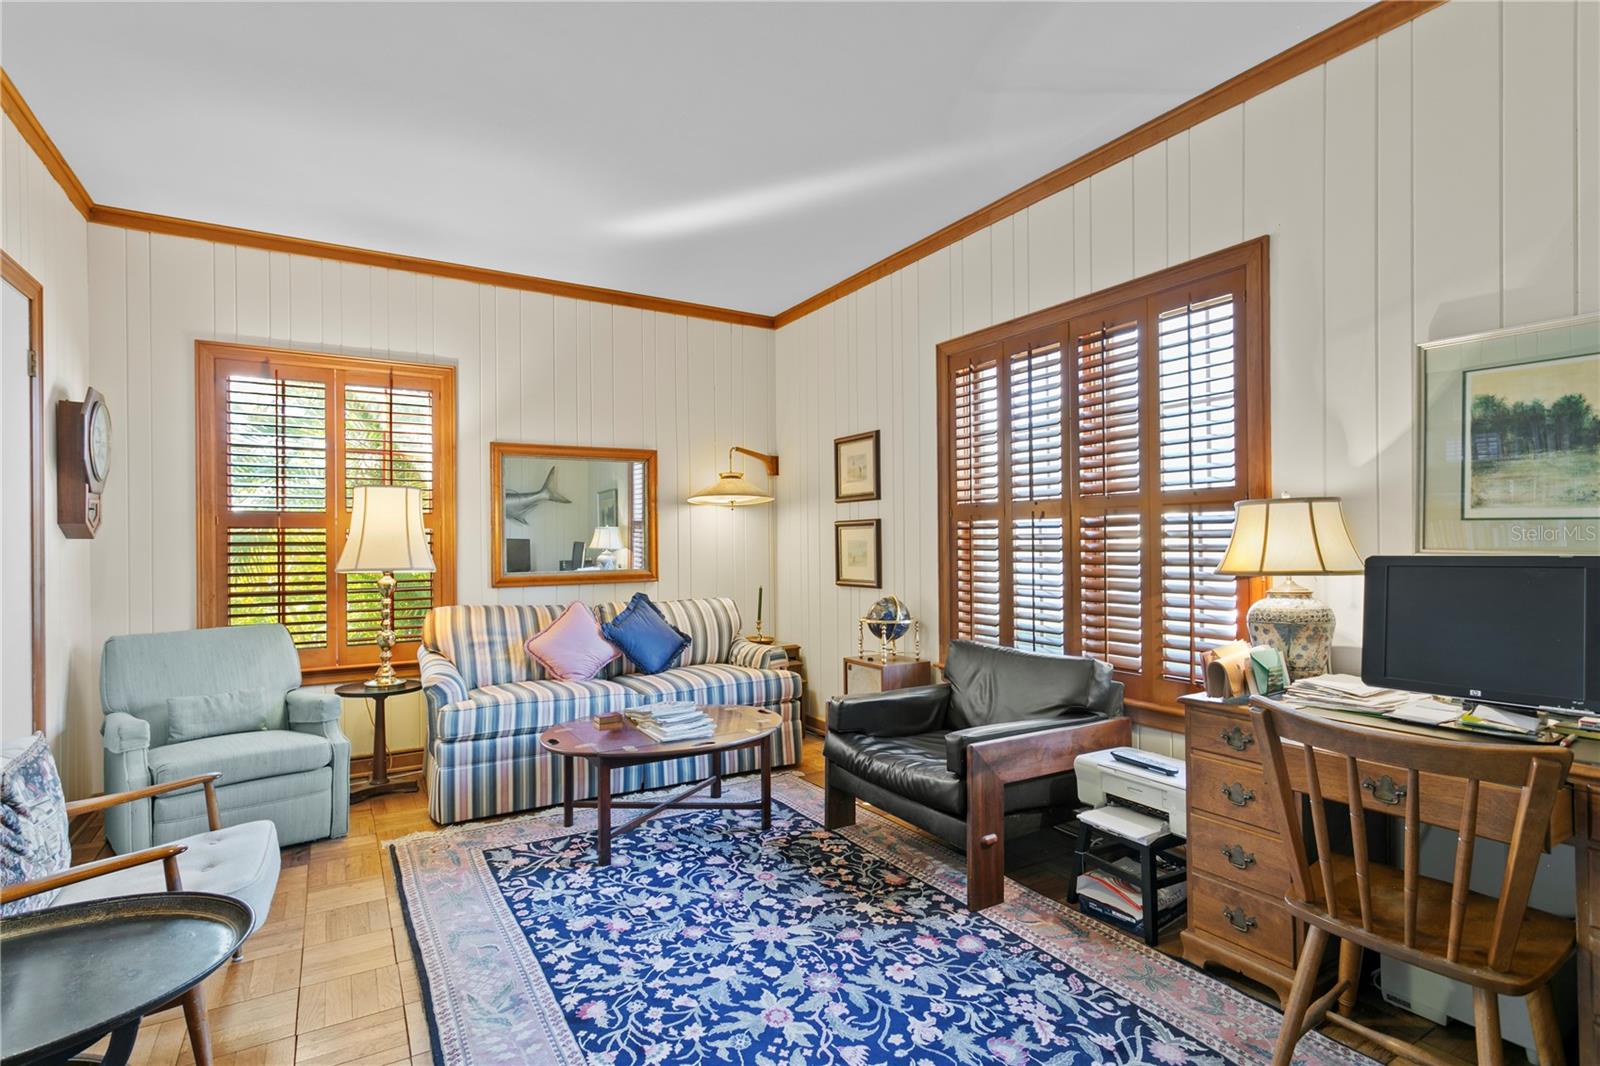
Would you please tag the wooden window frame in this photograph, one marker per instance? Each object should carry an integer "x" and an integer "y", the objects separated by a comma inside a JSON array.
[
  {"x": 1242, "y": 269},
  {"x": 338, "y": 661}
]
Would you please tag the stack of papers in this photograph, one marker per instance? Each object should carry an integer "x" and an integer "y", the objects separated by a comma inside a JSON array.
[
  {"x": 1346, "y": 692},
  {"x": 1425, "y": 711},
  {"x": 1128, "y": 824},
  {"x": 1500, "y": 720},
  {"x": 1121, "y": 897},
  {"x": 676, "y": 720}
]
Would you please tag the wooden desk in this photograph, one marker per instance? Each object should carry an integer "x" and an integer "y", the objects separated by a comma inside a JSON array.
[{"x": 1239, "y": 866}]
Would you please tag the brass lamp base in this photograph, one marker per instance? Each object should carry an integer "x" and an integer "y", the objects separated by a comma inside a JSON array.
[{"x": 385, "y": 677}]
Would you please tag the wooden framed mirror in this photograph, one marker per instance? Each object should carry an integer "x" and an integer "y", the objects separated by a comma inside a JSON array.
[
  {"x": 22, "y": 534},
  {"x": 571, "y": 515}
]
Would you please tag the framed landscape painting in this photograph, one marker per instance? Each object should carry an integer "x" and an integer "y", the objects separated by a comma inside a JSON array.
[{"x": 1510, "y": 441}]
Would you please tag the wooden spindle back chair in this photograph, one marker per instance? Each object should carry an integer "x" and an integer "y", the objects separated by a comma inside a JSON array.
[{"x": 1497, "y": 945}]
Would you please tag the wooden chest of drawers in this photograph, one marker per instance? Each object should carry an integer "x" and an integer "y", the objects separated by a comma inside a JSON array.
[{"x": 1238, "y": 865}]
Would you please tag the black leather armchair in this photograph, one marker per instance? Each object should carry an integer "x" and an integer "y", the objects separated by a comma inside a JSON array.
[{"x": 986, "y": 753}]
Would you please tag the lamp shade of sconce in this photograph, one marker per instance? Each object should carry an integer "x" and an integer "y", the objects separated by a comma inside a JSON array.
[
  {"x": 1300, "y": 536},
  {"x": 731, "y": 489}
]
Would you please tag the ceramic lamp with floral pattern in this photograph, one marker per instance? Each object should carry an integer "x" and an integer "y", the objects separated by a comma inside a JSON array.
[{"x": 1288, "y": 538}]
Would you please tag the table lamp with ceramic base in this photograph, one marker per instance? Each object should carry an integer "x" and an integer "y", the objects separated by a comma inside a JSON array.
[
  {"x": 386, "y": 535},
  {"x": 607, "y": 540},
  {"x": 1291, "y": 537}
]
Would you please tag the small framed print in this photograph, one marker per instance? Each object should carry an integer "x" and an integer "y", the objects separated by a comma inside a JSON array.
[
  {"x": 855, "y": 468},
  {"x": 858, "y": 553}
]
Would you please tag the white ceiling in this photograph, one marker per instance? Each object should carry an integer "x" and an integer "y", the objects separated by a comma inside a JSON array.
[{"x": 743, "y": 154}]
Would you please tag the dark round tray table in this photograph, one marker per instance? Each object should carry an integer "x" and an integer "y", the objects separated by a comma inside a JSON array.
[{"x": 76, "y": 973}]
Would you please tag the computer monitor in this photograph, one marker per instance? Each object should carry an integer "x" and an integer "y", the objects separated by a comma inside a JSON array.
[{"x": 1515, "y": 630}]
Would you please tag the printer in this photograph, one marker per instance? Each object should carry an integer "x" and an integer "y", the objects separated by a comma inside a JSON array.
[{"x": 1129, "y": 777}]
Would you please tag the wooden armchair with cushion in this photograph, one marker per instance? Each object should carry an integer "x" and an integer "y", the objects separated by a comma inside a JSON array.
[
  {"x": 987, "y": 753},
  {"x": 241, "y": 861}
]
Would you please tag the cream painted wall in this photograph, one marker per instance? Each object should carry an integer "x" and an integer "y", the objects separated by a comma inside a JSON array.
[
  {"x": 1441, "y": 180},
  {"x": 43, "y": 232},
  {"x": 530, "y": 367}
]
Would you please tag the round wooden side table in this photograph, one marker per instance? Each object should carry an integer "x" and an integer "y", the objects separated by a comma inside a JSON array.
[{"x": 378, "y": 782}]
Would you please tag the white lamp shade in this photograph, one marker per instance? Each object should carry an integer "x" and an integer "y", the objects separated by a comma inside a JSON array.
[
  {"x": 731, "y": 490},
  {"x": 1290, "y": 536},
  {"x": 386, "y": 532},
  {"x": 606, "y": 538}
]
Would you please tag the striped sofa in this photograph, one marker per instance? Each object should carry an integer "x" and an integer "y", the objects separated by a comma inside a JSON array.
[{"x": 488, "y": 701}]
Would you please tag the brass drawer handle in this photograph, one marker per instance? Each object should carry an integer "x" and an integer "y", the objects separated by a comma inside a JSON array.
[
  {"x": 1384, "y": 790},
  {"x": 1238, "y": 857},
  {"x": 1237, "y": 794},
  {"x": 1237, "y": 738},
  {"x": 1239, "y": 919}
]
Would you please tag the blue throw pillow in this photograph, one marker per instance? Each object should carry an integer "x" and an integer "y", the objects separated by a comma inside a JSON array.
[{"x": 645, "y": 636}]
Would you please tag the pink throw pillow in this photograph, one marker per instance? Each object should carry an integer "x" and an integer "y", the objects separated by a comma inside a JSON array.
[{"x": 571, "y": 648}]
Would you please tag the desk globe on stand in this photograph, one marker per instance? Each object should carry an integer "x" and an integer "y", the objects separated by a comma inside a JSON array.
[{"x": 889, "y": 620}]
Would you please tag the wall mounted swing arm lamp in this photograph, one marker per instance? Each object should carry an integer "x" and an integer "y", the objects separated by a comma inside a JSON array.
[{"x": 731, "y": 490}]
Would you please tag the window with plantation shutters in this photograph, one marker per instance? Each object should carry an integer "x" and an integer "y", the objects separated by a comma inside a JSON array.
[
  {"x": 283, "y": 440},
  {"x": 1090, "y": 457}
]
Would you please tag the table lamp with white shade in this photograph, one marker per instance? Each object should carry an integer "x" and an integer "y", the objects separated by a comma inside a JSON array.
[
  {"x": 386, "y": 535},
  {"x": 1291, "y": 537},
  {"x": 607, "y": 540}
]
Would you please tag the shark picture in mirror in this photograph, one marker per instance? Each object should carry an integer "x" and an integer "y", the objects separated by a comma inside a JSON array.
[{"x": 518, "y": 504}]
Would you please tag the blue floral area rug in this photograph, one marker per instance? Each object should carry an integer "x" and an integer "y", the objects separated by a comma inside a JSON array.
[{"x": 711, "y": 942}]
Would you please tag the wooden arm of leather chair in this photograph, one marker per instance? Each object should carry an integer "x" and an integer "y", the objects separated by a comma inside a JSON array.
[
  {"x": 994, "y": 764},
  {"x": 100, "y": 803},
  {"x": 166, "y": 854}
]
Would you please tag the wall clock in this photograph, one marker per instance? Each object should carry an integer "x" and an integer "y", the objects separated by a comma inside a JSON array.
[{"x": 83, "y": 459}]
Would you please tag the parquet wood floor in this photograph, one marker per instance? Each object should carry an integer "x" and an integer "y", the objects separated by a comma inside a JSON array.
[{"x": 329, "y": 979}]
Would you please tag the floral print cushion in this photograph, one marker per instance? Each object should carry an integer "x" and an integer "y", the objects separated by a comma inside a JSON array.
[{"x": 34, "y": 841}]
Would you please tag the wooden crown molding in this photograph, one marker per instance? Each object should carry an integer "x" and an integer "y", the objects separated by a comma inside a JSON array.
[
  {"x": 12, "y": 103},
  {"x": 1353, "y": 32},
  {"x": 1337, "y": 39},
  {"x": 273, "y": 242}
]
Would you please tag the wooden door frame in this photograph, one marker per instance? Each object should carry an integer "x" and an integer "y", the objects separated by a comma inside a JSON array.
[{"x": 12, "y": 273}]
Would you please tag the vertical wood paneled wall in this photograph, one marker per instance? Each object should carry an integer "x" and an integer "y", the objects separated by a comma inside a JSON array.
[
  {"x": 1440, "y": 180},
  {"x": 43, "y": 232},
  {"x": 530, "y": 367}
]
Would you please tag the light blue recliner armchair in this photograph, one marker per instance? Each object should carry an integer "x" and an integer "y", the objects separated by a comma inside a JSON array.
[{"x": 226, "y": 700}]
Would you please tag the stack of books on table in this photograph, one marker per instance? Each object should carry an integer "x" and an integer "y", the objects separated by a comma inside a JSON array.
[{"x": 676, "y": 720}]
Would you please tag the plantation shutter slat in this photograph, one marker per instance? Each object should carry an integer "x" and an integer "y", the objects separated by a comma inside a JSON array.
[
  {"x": 1109, "y": 418},
  {"x": 276, "y": 476},
  {"x": 1199, "y": 609},
  {"x": 1037, "y": 468},
  {"x": 277, "y": 444},
  {"x": 977, "y": 583},
  {"x": 977, "y": 434},
  {"x": 1090, "y": 458},
  {"x": 1111, "y": 589},
  {"x": 636, "y": 518},
  {"x": 1196, "y": 407},
  {"x": 388, "y": 439},
  {"x": 1038, "y": 576}
]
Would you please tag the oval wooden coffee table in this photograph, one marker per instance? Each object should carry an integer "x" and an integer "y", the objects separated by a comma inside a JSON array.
[{"x": 610, "y": 747}]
